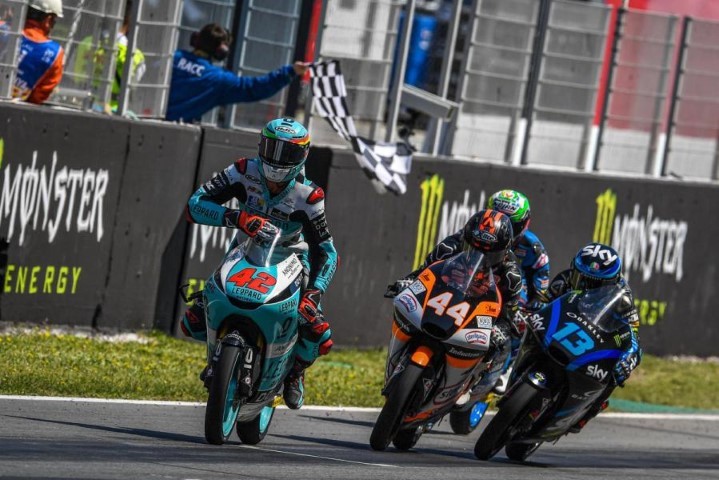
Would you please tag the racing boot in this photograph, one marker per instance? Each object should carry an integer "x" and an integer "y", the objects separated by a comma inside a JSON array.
[
  {"x": 294, "y": 388},
  {"x": 194, "y": 322}
]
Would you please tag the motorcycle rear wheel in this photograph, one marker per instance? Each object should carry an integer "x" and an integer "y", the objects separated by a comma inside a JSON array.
[
  {"x": 521, "y": 451},
  {"x": 464, "y": 421},
  {"x": 222, "y": 409},
  {"x": 254, "y": 431},
  {"x": 388, "y": 421},
  {"x": 497, "y": 433}
]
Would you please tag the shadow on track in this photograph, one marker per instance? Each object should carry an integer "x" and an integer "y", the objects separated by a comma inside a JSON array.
[{"x": 129, "y": 431}]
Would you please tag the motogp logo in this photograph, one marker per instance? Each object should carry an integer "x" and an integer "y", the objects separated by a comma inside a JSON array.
[{"x": 596, "y": 250}]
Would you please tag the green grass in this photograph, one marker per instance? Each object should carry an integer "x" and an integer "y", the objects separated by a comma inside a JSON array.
[{"x": 165, "y": 368}]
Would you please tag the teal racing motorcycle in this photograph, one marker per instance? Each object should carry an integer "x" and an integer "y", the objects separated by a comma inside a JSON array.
[{"x": 252, "y": 329}]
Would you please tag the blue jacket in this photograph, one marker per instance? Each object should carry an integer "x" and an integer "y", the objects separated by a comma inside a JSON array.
[{"x": 198, "y": 86}]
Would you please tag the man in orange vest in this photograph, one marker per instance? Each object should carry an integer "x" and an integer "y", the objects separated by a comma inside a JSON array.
[{"x": 41, "y": 61}]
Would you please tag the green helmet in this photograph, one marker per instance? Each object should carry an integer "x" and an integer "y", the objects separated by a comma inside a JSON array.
[{"x": 513, "y": 204}]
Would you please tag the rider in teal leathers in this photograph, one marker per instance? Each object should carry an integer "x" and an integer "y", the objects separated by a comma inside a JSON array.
[{"x": 272, "y": 188}]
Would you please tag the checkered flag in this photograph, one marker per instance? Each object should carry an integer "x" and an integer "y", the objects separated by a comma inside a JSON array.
[{"x": 386, "y": 164}]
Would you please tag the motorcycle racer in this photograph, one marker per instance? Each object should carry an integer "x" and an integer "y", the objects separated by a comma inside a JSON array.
[
  {"x": 533, "y": 261},
  {"x": 596, "y": 265},
  {"x": 272, "y": 188},
  {"x": 527, "y": 247},
  {"x": 506, "y": 270}
]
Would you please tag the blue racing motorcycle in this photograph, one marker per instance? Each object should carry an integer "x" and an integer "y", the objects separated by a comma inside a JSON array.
[
  {"x": 565, "y": 363},
  {"x": 252, "y": 329}
]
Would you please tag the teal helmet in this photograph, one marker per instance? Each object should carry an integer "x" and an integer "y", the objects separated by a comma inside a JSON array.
[
  {"x": 284, "y": 145},
  {"x": 513, "y": 204}
]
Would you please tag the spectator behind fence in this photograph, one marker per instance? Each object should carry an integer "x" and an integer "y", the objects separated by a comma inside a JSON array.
[
  {"x": 138, "y": 66},
  {"x": 198, "y": 86},
  {"x": 41, "y": 61}
]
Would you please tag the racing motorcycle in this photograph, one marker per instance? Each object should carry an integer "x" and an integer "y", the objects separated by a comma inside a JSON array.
[
  {"x": 252, "y": 328},
  {"x": 440, "y": 338},
  {"x": 565, "y": 362}
]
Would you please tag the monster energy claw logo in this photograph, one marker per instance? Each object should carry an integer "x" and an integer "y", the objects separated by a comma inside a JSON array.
[
  {"x": 432, "y": 194},
  {"x": 646, "y": 243}
]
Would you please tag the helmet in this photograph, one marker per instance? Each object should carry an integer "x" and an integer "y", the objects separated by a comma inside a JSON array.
[
  {"x": 47, "y": 6},
  {"x": 595, "y": 265},
  {"x": 513, "y": 204},
  {"x": 490, "y": 232},
  {"x": 284, "y": 145}
]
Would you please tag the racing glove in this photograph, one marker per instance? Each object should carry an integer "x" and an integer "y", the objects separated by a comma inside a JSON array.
[
  {"x": 624, "y": 367},
  {"x": 394, "y": 289},
  {"x": 250, "y": 224}
]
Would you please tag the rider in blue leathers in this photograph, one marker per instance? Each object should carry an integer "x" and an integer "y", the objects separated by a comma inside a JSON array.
[
  {"x": 596, "y": 265},
  {"x": 527, "y": 247},
  {"x": 271, "y": 188},
  {"x": 532, "y": 258}
]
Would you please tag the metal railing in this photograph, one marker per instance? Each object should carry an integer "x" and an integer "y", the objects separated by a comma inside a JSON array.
[
  {"x": 692, "y": 148},
  {"x": 88, "y": 33},
  {"x": 630, "y": 137},
  {"x": 12, "y": 18},
  {"x": 569, "y": 77},
  {"x": 493, "y": 80},
  {"x": 363, "y": 36},
  {"x": 268, "y": 34},
  {"x": 153, "y": 31}
]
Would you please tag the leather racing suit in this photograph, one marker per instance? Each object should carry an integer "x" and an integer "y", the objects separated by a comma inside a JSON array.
[{"x": 298, "y": 211}]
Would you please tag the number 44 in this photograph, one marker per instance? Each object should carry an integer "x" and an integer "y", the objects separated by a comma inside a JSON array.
[{"x": 458, "y": 312}]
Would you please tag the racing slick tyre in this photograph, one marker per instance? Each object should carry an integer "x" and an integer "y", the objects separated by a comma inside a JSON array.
[
  {"x": 500, "y": 430},
  {"x": 222, "y": 406},
  {"x": 254, "y": 431},
  {"x": 464, "y": 421},
  {"x": 388, "y": 421},
  {"x": 521, "y": 451},
  {"x": 406, "y": 439}
]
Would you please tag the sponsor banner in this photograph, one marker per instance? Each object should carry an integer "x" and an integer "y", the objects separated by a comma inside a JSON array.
[
  {"x": 148, "y": 246},
  {"x": 59, "y": 185},
  {"x": 660, "y": 228}
]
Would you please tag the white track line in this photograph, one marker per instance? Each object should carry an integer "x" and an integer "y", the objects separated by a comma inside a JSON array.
[
  {"x": 263, "y": 449},
  {"x": 656, "y": 416}
]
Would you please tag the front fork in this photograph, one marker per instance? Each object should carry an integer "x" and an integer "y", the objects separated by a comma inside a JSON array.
[{"x": 249, "y": 371}]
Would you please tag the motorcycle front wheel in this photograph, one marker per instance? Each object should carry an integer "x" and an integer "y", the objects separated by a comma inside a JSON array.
[
  {"x": 406, "y": 439},
  {"x": 499, "y": 431},
  {"x": 222, "y": 407},
  {"x": 388, "y": 421},
  {"x": 254, "y": 431},
  {"x": 521, "y": 451}
]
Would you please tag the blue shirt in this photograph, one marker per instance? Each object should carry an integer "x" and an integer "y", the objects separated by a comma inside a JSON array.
[{"x": 198, "y": 86}]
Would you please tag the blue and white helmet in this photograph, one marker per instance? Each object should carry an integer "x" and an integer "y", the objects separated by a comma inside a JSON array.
[
  {"x": 284, "y": 145},
  {"x": 595, "y": 265}
]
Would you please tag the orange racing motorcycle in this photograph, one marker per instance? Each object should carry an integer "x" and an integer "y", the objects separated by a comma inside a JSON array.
[{"x": 440, "y": 346}]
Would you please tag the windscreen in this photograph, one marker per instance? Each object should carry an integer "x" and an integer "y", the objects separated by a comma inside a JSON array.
[
  {"x": 468, "y": 273},
  {"x": 598, "y": 306}
]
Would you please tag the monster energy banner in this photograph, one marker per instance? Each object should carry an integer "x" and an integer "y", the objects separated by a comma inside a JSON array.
[
  {"x": 83, "y": 220},
  {"x": 659, "y": 228}
]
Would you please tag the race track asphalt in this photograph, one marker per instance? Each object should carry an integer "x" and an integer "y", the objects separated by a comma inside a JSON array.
[{"x": 42, "y": 438}]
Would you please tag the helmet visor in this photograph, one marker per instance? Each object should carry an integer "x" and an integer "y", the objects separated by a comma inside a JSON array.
[
  {"x": 281, "y": 154},
  {"x": 580, "y": 281}
]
